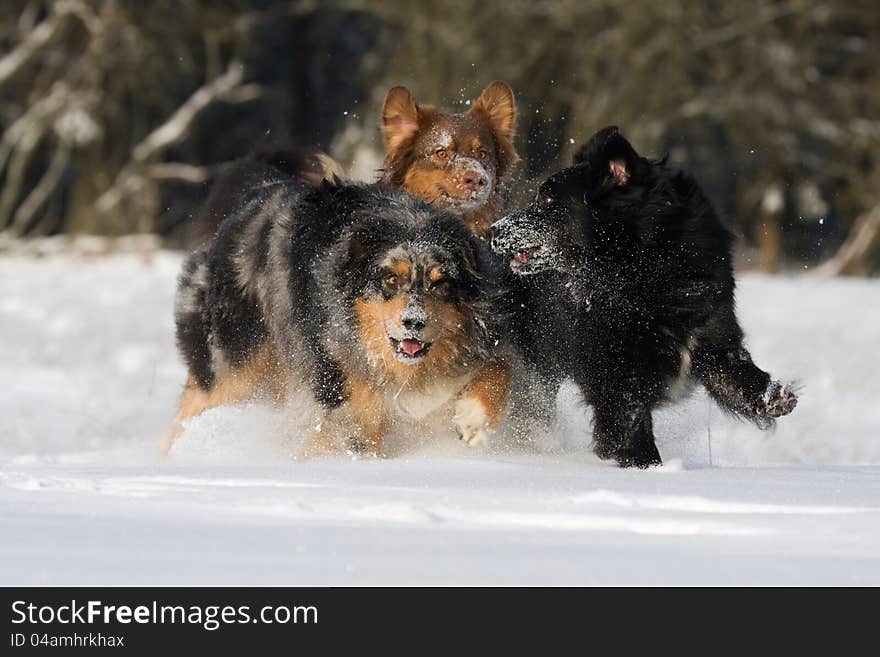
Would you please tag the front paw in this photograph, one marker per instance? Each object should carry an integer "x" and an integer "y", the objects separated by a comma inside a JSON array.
[
  {"x": 639, "y": 456},
  {"x": 605, "y": 450},
  {"x": 316, "y": 444},
  {"x": 364, "y": 447},
  {"x": 471, "y": 421},
  {"x": 777, "y": 400}
]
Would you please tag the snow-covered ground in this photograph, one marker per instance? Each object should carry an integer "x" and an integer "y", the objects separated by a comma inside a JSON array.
[{"x": 90, "y": 380}]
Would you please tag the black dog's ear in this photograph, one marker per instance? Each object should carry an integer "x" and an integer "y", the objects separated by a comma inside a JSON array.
[{"x": 610, "y": 155}]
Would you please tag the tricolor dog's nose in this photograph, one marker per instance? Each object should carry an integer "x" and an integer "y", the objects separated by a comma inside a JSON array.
[
  {"x": 413, "y": 324},
  {"x": 473, "y": 180}
]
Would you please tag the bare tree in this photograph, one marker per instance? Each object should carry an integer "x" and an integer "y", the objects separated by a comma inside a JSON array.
[{"x": 113, "y": 112}]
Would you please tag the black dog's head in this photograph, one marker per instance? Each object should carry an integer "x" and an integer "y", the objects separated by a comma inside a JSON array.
[{"x": 554, "y": 230}]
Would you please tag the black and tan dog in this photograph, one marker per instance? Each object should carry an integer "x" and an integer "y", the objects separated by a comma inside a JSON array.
[
  {"x": 639, "y": 268},
  {"x": 371, "y": 297}
]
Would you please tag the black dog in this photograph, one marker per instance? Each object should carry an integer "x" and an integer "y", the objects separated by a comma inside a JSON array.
[{"x": 648, "y": 300}]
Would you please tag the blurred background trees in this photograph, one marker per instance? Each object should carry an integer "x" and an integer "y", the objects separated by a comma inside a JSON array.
[{"x": 116, "y": 115}]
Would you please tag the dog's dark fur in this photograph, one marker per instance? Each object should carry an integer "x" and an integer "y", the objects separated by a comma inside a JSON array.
[
  {"x": 639, "y": 267},
  {"x": 305, "y": 164},
  {"x": 361, "y": 292}
]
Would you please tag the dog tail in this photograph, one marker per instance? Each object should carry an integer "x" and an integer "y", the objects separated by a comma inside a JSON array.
[
  {"x": 192, "y": 319},
  {"x": 304, "y": 163}
]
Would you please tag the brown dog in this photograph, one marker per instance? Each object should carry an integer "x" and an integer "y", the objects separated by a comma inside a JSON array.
[{"x": 458, "y": 161}]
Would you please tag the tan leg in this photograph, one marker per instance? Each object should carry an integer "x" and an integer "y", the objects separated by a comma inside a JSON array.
[
  {"x": 363, "y": 420},
  {"x": 261, "y": 374},
  {"x": 482, "y": 404},
  {"x": 369, "y": 415},
  {"x": 321, "y": 442}
]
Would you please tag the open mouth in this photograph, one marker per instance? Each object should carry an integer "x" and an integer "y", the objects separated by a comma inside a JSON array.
[
  {"x": 522, "y": 260},
  {"x": 473, "y": 199},
  {"x": 409, "y": 349}
]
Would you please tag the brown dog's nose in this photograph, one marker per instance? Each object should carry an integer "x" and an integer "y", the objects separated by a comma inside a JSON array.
[{"x": 473, "y": 180}]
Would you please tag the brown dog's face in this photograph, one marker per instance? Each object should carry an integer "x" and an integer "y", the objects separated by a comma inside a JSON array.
[
  {"x": 454, "y": 160},
  {"x": 411, "y": 318}
]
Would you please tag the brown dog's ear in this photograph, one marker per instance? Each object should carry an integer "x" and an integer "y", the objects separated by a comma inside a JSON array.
[
  {"x": 400, "y": 117},
  {"x": 497, "y": 103}
]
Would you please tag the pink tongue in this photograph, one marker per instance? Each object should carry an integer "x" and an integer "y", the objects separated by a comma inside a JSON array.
[
  {"x": 411, "y": 347},
  {"x": 523, "y": 256}
]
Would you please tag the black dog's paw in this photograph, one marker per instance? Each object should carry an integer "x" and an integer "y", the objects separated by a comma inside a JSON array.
[
  {"x": 638, "y": 457},
  {"x": 777, "y": 400},
  {"x": 605, "y": 451},
  {"x": 629, "y": 456}
]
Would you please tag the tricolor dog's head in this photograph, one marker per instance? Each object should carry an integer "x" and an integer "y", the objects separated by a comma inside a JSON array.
[
  {"x": 552, "y": 231},
  {"x": 457, "y": 161},
  {"x": 413, "y": 294}
]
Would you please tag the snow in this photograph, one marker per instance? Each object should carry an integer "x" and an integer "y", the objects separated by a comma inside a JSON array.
[{"x": 91, "y": 378}]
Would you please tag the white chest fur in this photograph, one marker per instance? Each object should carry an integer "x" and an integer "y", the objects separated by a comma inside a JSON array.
[{"x": 421, "y": 403}]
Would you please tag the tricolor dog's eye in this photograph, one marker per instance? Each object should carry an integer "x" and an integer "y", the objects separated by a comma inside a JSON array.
[
  {"x": 441, "y": 153},
  {"x": 482, "y": 155},
  {"x": 390, "y": 283}
]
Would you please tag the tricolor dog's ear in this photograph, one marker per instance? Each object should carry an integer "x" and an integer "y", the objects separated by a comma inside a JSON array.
[
  {"x": 498, "y": 105},
  {"x": 610, "y": 157},
  {"x": 400, "y": 117},
  {"x": 360, "y": 242},
  {"x": 330, "y": 185},
  {"x": 351, "y": 258}
]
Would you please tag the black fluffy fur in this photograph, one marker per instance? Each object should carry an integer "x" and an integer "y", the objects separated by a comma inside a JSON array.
[
  {"x": 638, "y": 295},
  {"x": 288, "y": 263},
  {"x": 305, "y": 164},
  {"x": 193, "y": 319}
]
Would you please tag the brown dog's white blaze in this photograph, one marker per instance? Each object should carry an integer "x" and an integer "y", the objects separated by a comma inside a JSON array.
[{"x": 455, "y": 160}]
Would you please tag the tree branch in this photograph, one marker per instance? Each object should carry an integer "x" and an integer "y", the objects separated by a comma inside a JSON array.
[
  {"x": 850, "y": 257},
  {"x": 41, "y": 35},
  {"x": 173, "y": 130},
  {"x": 179, "y": 171},
  {"x": 41, "y": 193},
  {"x": 15, "y": 174},
  {"x": 179, "y": 123}
]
